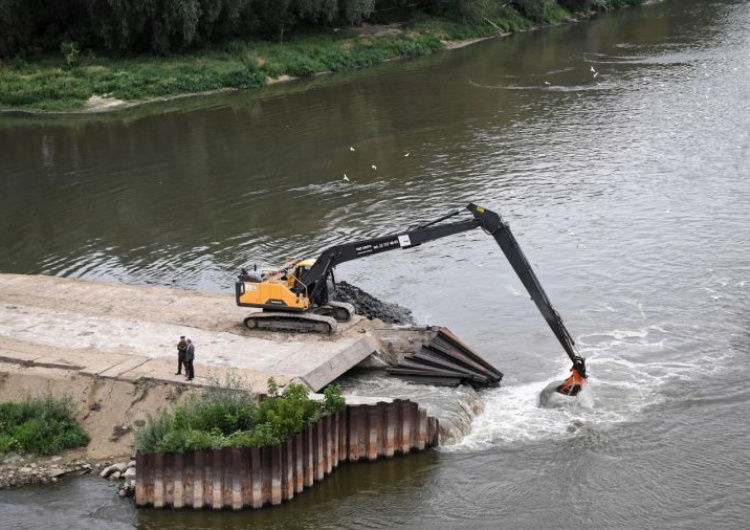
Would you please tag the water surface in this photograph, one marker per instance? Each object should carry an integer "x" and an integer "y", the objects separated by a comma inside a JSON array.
[{"x": 616, "y": 149}]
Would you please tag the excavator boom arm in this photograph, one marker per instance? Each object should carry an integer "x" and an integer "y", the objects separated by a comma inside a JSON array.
[
  {"x": 338, "y": 254},
  {"x": 493, "y": 224}
]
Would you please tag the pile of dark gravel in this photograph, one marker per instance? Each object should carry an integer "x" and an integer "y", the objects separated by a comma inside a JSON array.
[{"x": 369, "y": 306}]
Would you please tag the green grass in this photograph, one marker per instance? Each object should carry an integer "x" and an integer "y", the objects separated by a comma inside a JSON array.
[
  {"x": 507, "y": 19},
  {"x": 42, "y": 425}
]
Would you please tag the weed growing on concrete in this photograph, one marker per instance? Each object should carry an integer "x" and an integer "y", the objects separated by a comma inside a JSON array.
[{"x": 140, "y": 390}]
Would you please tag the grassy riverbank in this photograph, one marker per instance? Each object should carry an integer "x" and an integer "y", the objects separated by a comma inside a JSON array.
[{"x": 68, "y": 80}]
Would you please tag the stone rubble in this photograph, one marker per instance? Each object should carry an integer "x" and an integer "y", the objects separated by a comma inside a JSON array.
[
  {"x": 369, "y": 306},
  {"x": 18, "y": 470},
  {"x": 123, "y": 474}
]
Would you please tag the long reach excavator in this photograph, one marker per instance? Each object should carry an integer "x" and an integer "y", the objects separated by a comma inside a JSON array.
[{"x": 300, "y": 295}]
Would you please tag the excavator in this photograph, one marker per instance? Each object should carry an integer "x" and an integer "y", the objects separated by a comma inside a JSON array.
[{"x": 300, "y": 295}]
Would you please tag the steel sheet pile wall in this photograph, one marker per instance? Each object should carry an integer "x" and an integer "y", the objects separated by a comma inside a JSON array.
[{"x": 234, "y": 478}]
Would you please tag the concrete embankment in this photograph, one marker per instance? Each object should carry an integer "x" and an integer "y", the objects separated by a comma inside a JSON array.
[
  {"x": 127, "y": 332},
  {"x": 112, "y": 348}
]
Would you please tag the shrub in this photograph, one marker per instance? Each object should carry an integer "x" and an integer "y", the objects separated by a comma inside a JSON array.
[
  {"x": 43, "y": 425},
  {"x": 225, "y": 415},
  {"x": 70, "y": 53},
  {"x": 334, "y": 401},
  {"x": 156, "y": 428},
  {"x": 187, "y": 439},
  {"x": 289, "y": 413},
  {"x": 535, "y": 10}
]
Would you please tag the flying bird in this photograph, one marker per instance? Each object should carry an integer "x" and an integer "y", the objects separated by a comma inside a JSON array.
[
  {"x": 374, "y": 166},
  {"x": 346, "y": 178}
]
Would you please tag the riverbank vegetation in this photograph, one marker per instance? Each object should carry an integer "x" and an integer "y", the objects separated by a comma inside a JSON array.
[
  {"x": 42, "y": 425},
  {"x": 57, "y": 55},
  {"x": 226, "y": 415}
]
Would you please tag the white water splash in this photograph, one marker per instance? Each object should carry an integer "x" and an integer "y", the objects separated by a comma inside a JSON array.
[{"x": 624, "y": 380}]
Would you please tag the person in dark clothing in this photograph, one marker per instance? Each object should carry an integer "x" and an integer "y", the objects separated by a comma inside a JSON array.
[
  {"x": 182, "y": 347},
  {"x": 189, "y": 358}
]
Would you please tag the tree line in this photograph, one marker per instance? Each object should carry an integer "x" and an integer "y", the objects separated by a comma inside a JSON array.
[{"x": 165, "y": 26}]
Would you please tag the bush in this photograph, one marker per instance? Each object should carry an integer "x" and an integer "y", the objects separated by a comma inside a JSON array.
[
  {"x": 289, "y": 413},
  {"x": 535, "y": 10},
  {"x": 226, "y": 416},
  {"x": 42, "y": 425},
  {"x": 70, "y": 53},
  {"x": 334, "y": 401},
  {"x": 156, "y": 428}
]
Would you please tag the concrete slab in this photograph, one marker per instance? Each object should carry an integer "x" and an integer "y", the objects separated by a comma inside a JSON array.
[
  {"x": 336, "y": 365},
  {"x": 120, "y": 331},
  {"x": 127, "y": 365}
]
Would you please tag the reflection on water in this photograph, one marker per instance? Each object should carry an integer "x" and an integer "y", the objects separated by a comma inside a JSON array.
[
  {"x": 616, "y": 150},
  {"x": 84, "y": 502},
  {"x": 88, "y": 502}
]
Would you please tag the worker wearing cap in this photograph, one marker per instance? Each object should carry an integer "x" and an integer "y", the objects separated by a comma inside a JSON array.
[{"x": 182, "y": 347}]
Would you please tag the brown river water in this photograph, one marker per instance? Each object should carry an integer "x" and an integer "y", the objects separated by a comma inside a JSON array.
[{"x": 617, "y": 149}]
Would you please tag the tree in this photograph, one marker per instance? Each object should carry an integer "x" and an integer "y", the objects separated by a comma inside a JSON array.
[{"x": 353, "y": 12}]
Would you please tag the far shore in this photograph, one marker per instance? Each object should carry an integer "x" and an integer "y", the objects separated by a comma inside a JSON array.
[
  {"x": 98, "y": 104},
  {"x": 92, "y": 83}
]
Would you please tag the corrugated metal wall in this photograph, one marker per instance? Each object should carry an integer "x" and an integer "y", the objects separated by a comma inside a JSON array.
[{"x": 251, "y": 478}]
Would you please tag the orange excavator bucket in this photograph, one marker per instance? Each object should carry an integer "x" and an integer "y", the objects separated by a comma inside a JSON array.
[{"x": 574, "y": 383}]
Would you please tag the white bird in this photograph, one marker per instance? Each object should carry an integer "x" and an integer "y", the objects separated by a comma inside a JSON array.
[
  {"x": 596, "y": 74},
  {"x": 346, "y": 178},
  {"x": 351, "y": 149},
  {"x": 592, "y": 69},
  {"x": 374, "y": 166},
  {"x": 407, "y": 154},
  {"x": 546, "y": 82}
]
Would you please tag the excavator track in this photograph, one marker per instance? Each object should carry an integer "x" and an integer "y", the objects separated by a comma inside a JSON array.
[
  {"x": 296, "y": 322},
  {"x": 341, "y": 311}
]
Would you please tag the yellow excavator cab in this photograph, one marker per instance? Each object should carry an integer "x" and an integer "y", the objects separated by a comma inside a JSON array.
[
  {"x": 300, "y": 269},
  {"x": 275, "y": 288},
  {"x": 307, "y": 263}
]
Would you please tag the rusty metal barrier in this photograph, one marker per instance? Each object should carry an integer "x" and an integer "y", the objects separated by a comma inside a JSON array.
[{"x": 235, "y": 478}]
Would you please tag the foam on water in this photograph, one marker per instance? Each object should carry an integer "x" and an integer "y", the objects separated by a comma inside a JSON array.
[
  {"x": 512, "y": 414},
  {"x": 624, "y": 380},
  {"x": 337, "y": 186}
]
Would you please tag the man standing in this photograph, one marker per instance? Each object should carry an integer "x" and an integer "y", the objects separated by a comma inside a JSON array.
[
  {"x": 189, "y": 357},
  {"x": 181, "y": 349}
]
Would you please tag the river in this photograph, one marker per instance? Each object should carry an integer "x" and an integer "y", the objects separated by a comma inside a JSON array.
[{"x": 616, "y": 149}]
